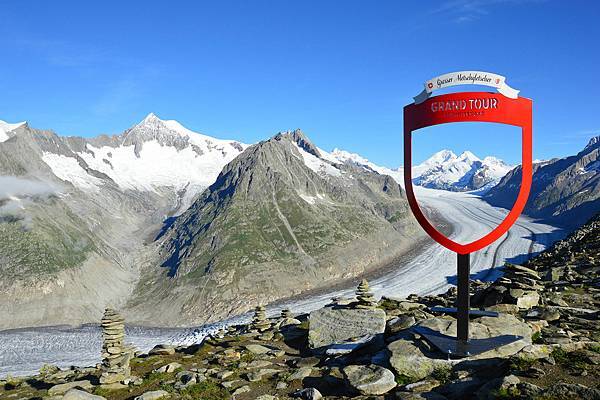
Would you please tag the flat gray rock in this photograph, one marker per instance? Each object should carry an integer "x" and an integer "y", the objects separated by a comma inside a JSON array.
[
  {"x": 257, "y": 349},
  {"x": 348, "y": 347},
  {"x": 331, "y": 325},
  {"x": 76, "y": 394},
  {"x": 487, "y": 327},
  {"x": 154, "y": 395},
  {"x": 370, "y": 379},
  {"x": 407, "y": 359},
  {"x": 65, "y": 387}
]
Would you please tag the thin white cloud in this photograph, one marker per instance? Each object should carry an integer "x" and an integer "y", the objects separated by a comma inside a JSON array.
[
  {"x": 463, "y": 11},
  {"x": 122, "y": 93}
]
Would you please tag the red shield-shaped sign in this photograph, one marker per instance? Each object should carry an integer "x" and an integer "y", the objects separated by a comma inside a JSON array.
[{"x": 470, "y": 107}]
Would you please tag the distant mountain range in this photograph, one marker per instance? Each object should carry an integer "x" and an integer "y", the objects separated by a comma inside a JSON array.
[
  {"x": 444, "y": 170},
  {"x": 176, "y": 227},
  {"x": 564, "y": 190},
  {"x": 78, "y": 216},
  {"x": 91, "y": 222}
]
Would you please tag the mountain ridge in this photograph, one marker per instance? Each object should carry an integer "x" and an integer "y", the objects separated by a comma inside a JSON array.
[
  {"x": 275, "y": 209},
  {"x": 564, "y": 190}
]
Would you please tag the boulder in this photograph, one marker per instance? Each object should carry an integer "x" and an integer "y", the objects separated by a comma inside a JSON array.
[
  {"x": 257, "y": 349},
  {"x": 400, "y": 322},
  {"x": 300, "y": 374},
  {"x": 487, "y": 327},
  {"x": 535, "y": 352},
  {"x": 463, "y": 388},
  {"x": 331, "y": 325},
  {"x": 408, "y": 360},
  {"x": 370, "y": 379},
  {"x": 76, "y": 394},
  {"x": 504, "y": 308},
  {"x": 308, "y": 394},
  {"x": 241, "y": 390},
  {"x": 528, "y": 299},
  {"x": 374, "y": 341},
  {"x": 154, "y": 395},
  {"x": 171, "y": 367},
  {"x": 65, "y": 387},
  {"x": 162, "y": 350},
  {"x": 419, "y": 396},
  {"x": 257, "y": 375},
  {"x": 571, "y": 391},
  {"x": 490, "y": 390}
]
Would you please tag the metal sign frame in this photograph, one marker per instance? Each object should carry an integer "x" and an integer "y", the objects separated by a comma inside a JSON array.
[{"x": 469, "y": 107}]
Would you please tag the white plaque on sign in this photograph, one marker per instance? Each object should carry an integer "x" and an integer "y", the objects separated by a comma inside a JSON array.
[{"x": 467, "y": 78}]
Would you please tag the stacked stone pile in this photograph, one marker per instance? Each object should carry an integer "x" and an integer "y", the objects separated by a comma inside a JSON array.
[
  {"x": 519, "y": 286},
  {"x": 286, "y": 319},
  {"x": 259, "y": 321},
  {"x": 365, "y": 296},
  {"x": 115, "y": 354}
]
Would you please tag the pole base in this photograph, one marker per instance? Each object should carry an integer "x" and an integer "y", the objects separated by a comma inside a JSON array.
[
  {"x": 453, "y": 347},
  {"x": 472, "y": 312}
]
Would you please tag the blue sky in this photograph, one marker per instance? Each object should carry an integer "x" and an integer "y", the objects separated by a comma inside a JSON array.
[{"x": 339, "y": 70}]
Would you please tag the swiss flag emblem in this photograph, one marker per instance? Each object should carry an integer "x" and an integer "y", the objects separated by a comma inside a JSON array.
[{"x": 430, "y": 85}]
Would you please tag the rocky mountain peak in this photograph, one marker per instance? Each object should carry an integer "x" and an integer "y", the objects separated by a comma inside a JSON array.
[
  {"x": 445, "y": 170},
  {"x": 468, "y": 157},
  {"x": 298, "y": 137},
  {"x": 594, "y": 142},
  {"x": 150, "y": 118}
]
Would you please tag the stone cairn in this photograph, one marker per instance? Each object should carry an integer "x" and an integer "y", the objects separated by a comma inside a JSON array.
[
  {"x": 115, "y": 355},
  {"x": 519, "y": 286},
  {"x": 260, "y": 321},
  {"x": 365, "y": 296}
]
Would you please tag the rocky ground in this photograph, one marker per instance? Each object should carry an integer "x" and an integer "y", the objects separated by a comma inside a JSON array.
[{"x": 362, "y": 349}]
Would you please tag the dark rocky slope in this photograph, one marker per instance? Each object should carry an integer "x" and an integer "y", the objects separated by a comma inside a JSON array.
[{"x": 565, "y": 191}]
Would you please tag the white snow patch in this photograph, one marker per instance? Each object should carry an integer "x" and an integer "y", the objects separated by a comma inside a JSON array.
[
  {"x": 342, "y": 157},
  {"x": 445, "y": 169},
  {"x": 161, "y": 165},
  {"x": 318, "y": 165},
  {"x": 68, "y": 169},
  {"x": 309, "y": 199},
  {"x": 5, "y": 127}
]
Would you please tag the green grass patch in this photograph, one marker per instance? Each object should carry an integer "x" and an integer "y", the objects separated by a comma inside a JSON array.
[
  {"x": 387, "y": 304},
  {"x": 594, "y": 347},
  {"x": 403, "y": 380},
  {"x": 111, "y": 394},
  {"x": 207, "y": 390},
  {"x": 247, "y": 357},
  {"x": 505, "y": 393},
  {"x": 442, "y": 374},
  {"x": 521, "y": 363},
  {"x": 304, "y": 325},
  {"x": 575, "y": 360}
]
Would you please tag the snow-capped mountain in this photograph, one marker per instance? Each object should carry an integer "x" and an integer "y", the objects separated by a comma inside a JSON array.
[
  {"x": 5, "y": 128},
  {"x": 445, "y": 170},
  {"x": 154, "y": 153},
  {"x": 346, "y": 157}
]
